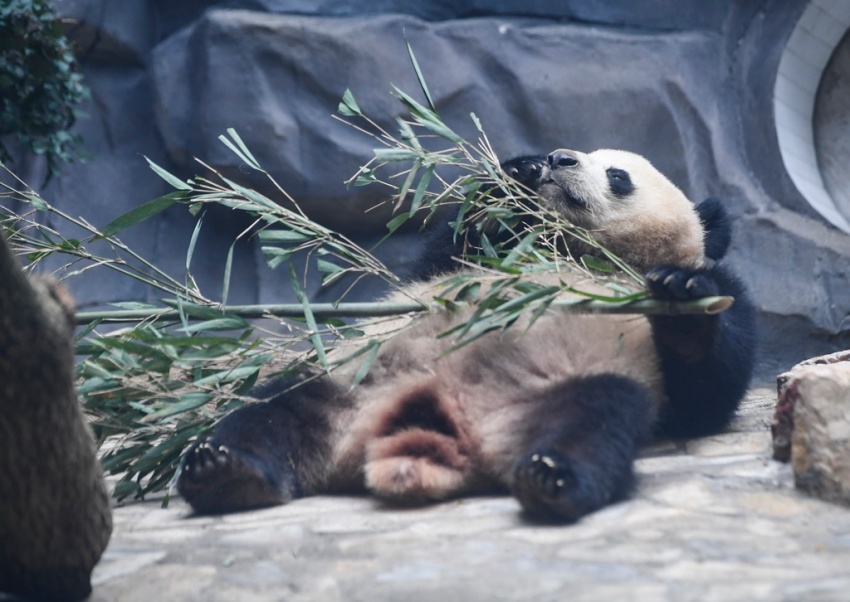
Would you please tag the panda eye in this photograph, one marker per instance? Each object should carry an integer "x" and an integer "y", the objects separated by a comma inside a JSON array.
[{"x": 619, "y": 182}]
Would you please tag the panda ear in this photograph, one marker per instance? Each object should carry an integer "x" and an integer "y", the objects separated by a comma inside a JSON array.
[{"x": 717, "y": 226}]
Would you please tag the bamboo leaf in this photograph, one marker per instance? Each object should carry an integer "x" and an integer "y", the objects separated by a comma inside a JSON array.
[
  {"x": 37, "y": 203},
  {"x": 327, "y": 267},
  {"x": 596, "y": 264},
  {"x": 228, "y": 265},
  {"x": 419, "y": 77},
  {"x": 390, "y": 155},
  {"x": 371, "y": 352},
  {"x": 315, "y": 336},
  {"x": 188, "y": 401},
  {"x": 348, "y": 106},
  {"x": 397, "y": 222},
  {"x": 421, "y": 188},
  {"x": 242, "y": 151},
  {"x": 194, "y": 239},
  {"x": 172, "y": 180},
  {"x": 230, "y": 323},
  {"x": 284, "y": 236},
  {"x": 140, "y": 213}
]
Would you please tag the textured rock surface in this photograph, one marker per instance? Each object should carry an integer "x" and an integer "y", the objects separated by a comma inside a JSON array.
[
  {"x": 813, "y": 415},
  {"x": 55, "y": 516},
  {"x": 712, "y": 519},
  {"x": 690, "y": 86}
]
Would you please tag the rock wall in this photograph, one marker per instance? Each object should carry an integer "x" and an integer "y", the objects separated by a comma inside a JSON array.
[{"x": 689, "y": 84}]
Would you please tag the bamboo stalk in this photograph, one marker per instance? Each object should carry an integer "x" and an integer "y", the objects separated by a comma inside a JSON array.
[{"x": 705, "y": 306}]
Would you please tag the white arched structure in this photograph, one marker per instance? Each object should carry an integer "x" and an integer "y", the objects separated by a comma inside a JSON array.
[{"x": 812, "y": 43}]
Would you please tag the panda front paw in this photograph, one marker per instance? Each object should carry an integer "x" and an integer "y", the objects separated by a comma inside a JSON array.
[
  {"x": 526, "y": 169},
  {"x": 549, "y": 487},
  {"x": 671, "y": 283},
  {"x": 215, "y": 479}
]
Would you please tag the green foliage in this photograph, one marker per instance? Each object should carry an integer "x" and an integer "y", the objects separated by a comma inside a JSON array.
[{"x": 39, "y": 82}]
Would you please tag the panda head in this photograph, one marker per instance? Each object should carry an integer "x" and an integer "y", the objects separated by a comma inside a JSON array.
[{"x": 629, "y": 206}]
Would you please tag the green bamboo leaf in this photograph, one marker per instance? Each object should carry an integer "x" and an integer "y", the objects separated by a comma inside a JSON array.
[
  {"x": 283, "y": 236},
  {"x": 251, "y": 195},
  {"x": 140, "y": 213},
  {"x": 315, "y": 336},
  {"x": 596, "y": 264},
  {"x": 173, "y": 180},
  {"x": 427, "y": 118},
  {"x": 419, "y": 77},
  {"x": 194, "y": 239},
  {"x": 227, "y": 376},
  {"x": 37, "y": 203},
  {"x": 242, "y": 152},
  {"x": 275, "y": 256},
  {"x": 365, "y": 177},
  {"x": 397, "y": 222},
  {"x": 327, "y": 267},
  {"x": 231, "y": 323},
  {"x": 348, "y": 106},
  {"x": 389, "y": 155},
  {"x": 371, "y": 352},
  {"x": 407, "y": 134},
  {"x": 408, "y": 182},
  {"x": 522, "y": 248},
  {"x": 188, "y": 401},
  {"x": 421, "y": 188},
  {"x": 228, "y": 264},
  {"x": 477, "y": 122},
  {"x": 124, "y": 488}
]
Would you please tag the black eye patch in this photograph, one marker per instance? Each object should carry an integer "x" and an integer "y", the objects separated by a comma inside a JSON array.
[{"x": 619, "y": 182}]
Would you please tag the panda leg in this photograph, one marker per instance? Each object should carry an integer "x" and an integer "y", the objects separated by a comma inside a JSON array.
[
  {"x": 582, "y": 459},
  {"x": 265, "y": 453}
]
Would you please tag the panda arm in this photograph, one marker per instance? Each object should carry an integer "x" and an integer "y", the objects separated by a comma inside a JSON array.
[
  {"x": 717, "y": 226},
  {"x": 707, "y": 361},
  {"x": 441, "y": 245},
  {"x": 265, "y": 453}
]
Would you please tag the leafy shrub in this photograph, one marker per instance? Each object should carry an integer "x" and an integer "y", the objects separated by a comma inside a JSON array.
[{"x": 39, "y": 82}]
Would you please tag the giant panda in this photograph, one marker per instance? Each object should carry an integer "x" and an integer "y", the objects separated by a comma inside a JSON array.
[{"x": 552, "y": 411}]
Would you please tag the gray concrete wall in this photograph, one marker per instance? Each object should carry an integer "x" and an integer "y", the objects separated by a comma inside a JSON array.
[{"x": 688, "y": 83}]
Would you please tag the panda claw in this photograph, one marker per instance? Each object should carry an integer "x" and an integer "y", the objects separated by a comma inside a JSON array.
[
  {"x": 679, "y": 284},
  {"x": 545, "y": 484}
]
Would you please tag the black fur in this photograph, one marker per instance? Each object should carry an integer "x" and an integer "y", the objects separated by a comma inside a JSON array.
[
  {"x": 707, "y": 361},
  {"x": 256, "y": 455},
  {"x": 718, "y": 227},
  {"x": 441, "y": 245},
  {"x": 620, "y": 182},
  {"x": 582, "y": 457}
]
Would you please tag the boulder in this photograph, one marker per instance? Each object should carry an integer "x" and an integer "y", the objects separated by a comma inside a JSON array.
[{"x": 811, "y": 425}]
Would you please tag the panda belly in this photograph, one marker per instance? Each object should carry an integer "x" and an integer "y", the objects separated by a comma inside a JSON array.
[{"x": 430, "y": 425}]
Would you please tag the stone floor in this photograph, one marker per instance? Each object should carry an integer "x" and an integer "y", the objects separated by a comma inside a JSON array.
[{"x": 712, "y": 519}]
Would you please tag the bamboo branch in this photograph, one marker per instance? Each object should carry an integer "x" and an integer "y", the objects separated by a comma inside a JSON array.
[{"x": 706, "y": 306}]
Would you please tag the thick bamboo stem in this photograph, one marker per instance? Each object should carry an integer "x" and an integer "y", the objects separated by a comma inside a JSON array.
[{"x": 707, "y": 306}]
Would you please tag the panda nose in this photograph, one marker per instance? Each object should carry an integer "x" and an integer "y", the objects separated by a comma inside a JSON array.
[{"x": 560, "y": 158}]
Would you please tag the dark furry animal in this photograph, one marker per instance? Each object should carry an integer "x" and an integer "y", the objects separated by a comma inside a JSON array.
[
  {"x": 552, "y": 411},
  {"x": 55, "y": 517}
]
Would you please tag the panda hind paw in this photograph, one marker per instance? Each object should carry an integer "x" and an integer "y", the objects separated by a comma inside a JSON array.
[
  {"x": 671, "y": 283},
  {"x": 216, "y": 479},
  {"x": 550, "y": 488}
]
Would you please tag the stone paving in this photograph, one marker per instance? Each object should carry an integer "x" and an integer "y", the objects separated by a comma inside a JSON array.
[{"x": 712, "y": 519}]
